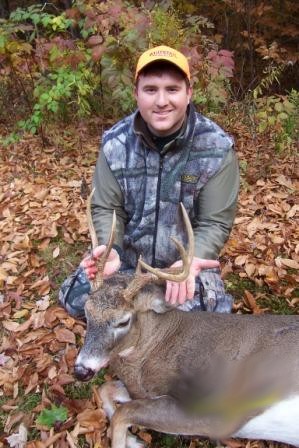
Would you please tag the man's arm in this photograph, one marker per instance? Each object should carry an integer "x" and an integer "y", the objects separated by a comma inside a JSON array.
[
  {"x": 106, "y": 198},
  {"x": 215, "y": 209}
]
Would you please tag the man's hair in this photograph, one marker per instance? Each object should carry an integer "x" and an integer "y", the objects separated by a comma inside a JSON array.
[{"x": 160, "y": 67}]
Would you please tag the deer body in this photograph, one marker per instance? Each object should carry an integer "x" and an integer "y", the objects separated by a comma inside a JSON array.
[{"x": 242, "y": 365}]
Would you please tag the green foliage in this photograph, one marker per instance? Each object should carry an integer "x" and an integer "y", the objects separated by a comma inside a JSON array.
[
  {"x": 279, "y": 114},
  {"x": 60, "y": 92},
  {"x": 48, "y": 417},
  {"x": 40, "y": 19},
  {"x": 272, "y": 74},
  {"x": 62, "y": 77},
  {"x": 166, "y": 26},
  {"x": 30, "y": 401}
]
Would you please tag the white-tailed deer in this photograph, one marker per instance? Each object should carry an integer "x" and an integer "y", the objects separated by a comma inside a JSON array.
[{"x": 196, "y": 373}]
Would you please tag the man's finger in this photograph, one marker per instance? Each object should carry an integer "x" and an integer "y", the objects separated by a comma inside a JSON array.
[
  {"x": 182, "y": 293},
  {"x": 207, "y": 264},
  {"x": 174, "y": 293},
  {"x": 168, "y": 291},
  {"x": 190, "y": 285},
  {"x": 98, "y": 251}
]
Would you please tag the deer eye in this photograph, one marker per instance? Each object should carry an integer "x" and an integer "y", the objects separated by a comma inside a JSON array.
[{"x": 123, "y": 323}]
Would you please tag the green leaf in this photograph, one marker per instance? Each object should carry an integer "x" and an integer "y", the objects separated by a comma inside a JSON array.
[
  {"x": 278, "y": 107},
  {"x": 48, "y": 417},
  {"x": 283, "y": 116},
  {"x": 35, "y": 18},
  {"x": 46, "y": 20}
]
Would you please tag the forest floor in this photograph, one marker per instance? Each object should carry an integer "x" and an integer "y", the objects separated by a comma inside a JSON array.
[{"x": 44, "y": 235}]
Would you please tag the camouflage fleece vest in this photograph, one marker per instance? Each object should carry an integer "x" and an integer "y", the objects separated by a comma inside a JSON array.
[{"x": 154, "y": 183}]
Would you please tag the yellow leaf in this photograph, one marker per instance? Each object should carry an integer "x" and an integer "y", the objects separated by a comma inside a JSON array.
[
  {"x": 3, "y": 274},
  {"x": 21, "y": 313}
]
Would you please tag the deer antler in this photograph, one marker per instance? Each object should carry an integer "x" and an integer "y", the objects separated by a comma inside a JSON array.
[
  {"x": 98, "y": 281},
  {"x": 172, "y": 274}
]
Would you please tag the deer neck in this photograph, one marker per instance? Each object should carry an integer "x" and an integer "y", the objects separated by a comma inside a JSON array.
[{"x": 146, "y": 332}]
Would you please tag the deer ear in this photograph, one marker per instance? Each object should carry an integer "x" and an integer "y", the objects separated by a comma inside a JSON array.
[{"x": 151, "y": 300}]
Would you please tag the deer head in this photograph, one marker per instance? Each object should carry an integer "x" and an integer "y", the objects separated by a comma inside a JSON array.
[{"x": 113, "y": 304}]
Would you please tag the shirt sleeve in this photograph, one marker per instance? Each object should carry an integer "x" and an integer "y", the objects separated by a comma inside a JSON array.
[
  {"x": 215, "y": 209},
  {"x": 106, "y": 198}
]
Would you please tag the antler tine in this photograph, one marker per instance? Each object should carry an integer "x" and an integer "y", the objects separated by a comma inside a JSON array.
[
  {"x": 98, "y": 281},
  {"x": 93, "y": 235},
  {"x": 138, "y": 282},
  {"x": 186, "y": 256},
  {"x": 172, "y": 274},
  {"x": 104, "y": 257}
]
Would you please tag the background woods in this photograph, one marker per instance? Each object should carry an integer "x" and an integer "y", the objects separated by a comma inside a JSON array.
[{"x": 66, "y": 73}]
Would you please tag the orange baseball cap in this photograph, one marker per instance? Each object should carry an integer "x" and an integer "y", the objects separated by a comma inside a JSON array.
[{"x": 163, "y": 53}]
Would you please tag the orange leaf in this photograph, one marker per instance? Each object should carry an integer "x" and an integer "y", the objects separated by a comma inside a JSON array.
[
  {"x": 64, "y": 335},
  {"x": 23, "y": 243},
  {"x": 92, "y": 418},
  {"x": 251, "y": 302}
]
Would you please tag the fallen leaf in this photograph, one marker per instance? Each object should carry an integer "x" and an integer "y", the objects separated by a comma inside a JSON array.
[
  {"x": 56, "y": 252},
  {"x": 288, "y": 262},
  {"x": 43, "y": 303},
  {"x": 282, "y": 180},
  {"x": 145, "y": 436},
  {"x": 4, "y": 359},
  {"x": 241, "y": 259},
  {"x": 89, "y": 418},
  {"x": 251, "y": 302},
  {"x": 64, "y": 335},
  {"x": 292, "y": 212},
  {"x": 250, "y": 269},
  {"x": 20, "y": 314},
  {"x": 18, "y": 439}
]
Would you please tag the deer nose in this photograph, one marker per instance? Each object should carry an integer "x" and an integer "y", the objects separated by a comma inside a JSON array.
[{"x": 82, "y": 373}]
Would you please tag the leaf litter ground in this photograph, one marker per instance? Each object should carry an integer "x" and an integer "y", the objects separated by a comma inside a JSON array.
[{"x": 44, "y": 234}]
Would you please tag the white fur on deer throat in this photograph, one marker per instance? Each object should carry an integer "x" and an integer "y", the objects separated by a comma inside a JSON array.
[{"x": 279, "y": 422}]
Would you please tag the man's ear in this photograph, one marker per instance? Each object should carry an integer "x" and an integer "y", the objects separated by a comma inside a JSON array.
[
  {"x": 135, "y": 92},
  {"x": 190, "y": 92}
]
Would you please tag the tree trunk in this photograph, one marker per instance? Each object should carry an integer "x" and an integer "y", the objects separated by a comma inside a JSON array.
[{"x": 4, "y": 9}]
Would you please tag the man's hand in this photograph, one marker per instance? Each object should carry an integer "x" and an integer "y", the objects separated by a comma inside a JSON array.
[
  {"x": 180, "y": 292},
  {"x": 90, "y": 263}
]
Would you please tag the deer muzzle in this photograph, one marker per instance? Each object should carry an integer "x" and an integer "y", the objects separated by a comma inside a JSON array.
[{"x": 83, "y": 373}]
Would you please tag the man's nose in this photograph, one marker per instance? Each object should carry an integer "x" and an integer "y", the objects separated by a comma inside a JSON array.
[{"x": 162, "y": 98}]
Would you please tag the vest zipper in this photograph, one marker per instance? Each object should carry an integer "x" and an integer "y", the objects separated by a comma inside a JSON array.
[{"x": 157, "y": 212}]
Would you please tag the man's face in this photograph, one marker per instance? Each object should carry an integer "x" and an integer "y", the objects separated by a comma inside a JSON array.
[{"x": 162, "y": 100}]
